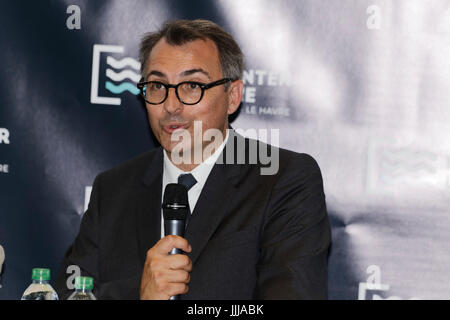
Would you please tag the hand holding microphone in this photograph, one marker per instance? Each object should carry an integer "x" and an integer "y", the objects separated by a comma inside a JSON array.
[
  {"x": 166, "y": 275},
  {"x": 166, "y": 269}
]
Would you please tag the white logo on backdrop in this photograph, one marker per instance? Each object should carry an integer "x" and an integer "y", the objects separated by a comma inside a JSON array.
[
  {"x": 119, "y": 72},
  {"x": 405, "y": 167},
  {"x": 4, "y": 136},
  {"x": 4, "y": 139},
  {"x": 257, "y": 87},
  {"x": 4, "y": 168},
  {"x": 373, "y": 289}
]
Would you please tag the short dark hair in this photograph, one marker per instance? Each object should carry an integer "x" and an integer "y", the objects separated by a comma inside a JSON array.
[{"x": 179, "y": 32}]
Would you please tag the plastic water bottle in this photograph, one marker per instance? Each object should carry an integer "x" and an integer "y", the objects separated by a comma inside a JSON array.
[
  {"x": 83, "y": 289},
  {"x": 40, "y": 289}
]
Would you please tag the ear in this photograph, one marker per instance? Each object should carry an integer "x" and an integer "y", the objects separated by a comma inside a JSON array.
[{"x": 235, "y": 95}]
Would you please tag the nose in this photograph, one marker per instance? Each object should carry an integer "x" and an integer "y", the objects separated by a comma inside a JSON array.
[{"x": 172, "y": 105}]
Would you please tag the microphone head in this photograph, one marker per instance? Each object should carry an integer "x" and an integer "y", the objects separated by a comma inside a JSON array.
[{"x": 175, "y": 203}]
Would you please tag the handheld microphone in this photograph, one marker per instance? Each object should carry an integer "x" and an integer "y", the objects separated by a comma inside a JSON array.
[{"x": 175, "y": 210}]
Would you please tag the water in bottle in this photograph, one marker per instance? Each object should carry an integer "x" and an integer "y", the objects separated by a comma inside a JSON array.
[
  {"x": 40, "y": 289},
  {"x": 83, "y": 289}
]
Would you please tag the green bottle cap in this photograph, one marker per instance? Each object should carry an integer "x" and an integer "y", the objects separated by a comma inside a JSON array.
[
  {"x": 86, "y": 283},
  {"x": 40, "y": 274}
]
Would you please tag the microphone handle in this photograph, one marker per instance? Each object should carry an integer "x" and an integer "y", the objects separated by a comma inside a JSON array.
[{"x": 175, "y": 227}]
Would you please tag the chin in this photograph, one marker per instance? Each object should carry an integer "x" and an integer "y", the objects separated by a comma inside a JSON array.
[{"x": 171, "y": 146}]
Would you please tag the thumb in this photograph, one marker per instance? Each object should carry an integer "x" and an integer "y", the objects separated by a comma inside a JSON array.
[{"x": 166, "y": 244}]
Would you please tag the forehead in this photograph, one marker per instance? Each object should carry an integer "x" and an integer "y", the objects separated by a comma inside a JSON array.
[{"x": 173, "y": 59}]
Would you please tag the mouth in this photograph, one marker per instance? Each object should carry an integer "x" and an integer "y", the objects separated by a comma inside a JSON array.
[{"x": 171, "y": 127}]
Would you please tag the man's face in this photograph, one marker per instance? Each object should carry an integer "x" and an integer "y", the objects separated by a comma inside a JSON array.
[{"x": 194, "y": 61}]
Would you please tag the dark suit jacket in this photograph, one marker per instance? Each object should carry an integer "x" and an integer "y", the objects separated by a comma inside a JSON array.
[{"x": 253, "y": 236}]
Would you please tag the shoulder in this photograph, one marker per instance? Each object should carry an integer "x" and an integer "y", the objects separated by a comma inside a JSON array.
[
  {"x": 270, "y": 160},
  {"x": 287, "y": 170},
  {"x": 130, "y": 171},
  {"x": 297, "y": 161},
  {"x": 297, "y": 171},
  {"x": 286, "y": 162}
]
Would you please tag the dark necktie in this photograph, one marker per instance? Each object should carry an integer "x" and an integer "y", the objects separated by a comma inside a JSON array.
[{"x": 188, "y": 181}]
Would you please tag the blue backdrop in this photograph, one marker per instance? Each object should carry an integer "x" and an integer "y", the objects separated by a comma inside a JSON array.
[{"x": 362, "y": 86}]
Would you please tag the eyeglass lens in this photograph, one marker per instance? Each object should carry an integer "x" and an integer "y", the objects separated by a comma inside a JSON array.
[{"x": 187, "y": 92}]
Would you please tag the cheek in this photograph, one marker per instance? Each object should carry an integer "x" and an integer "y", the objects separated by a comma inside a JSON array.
[
  {"x": 209, "y": 120},
  {"x": 213, "y": 116},
  {"x": 152, "y": 116}
]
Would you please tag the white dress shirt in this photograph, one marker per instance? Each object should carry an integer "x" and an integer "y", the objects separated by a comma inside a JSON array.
[{"x": 200, "y": 173}]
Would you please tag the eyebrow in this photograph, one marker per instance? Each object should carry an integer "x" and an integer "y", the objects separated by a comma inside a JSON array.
[
  {"x": 183, "y": 74},
  {"x": 192, "y": 71},
  {"x": 155, "y": 73}
]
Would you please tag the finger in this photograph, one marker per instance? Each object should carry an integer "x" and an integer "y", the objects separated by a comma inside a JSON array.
[
  {"x": 177, "y": 288},
  {"x": 178, "y": 276},
  {"x": 179, "y": 261},
  {"x": 166, "y": 244}
]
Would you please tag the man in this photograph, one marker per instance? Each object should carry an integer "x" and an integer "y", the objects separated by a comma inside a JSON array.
[{"x": 250, "y": 235}]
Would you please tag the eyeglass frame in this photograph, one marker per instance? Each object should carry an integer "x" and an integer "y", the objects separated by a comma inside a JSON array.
[{"x": 167, "y": 86}]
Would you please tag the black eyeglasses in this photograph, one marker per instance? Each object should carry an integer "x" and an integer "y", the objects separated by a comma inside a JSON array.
[{"x": 188, "y": 92}]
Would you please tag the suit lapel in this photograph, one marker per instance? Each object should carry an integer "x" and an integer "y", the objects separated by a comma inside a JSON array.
[
  {"x": 148, "y": 216},
  {"x": 207, "y": 214},
  {"x": 214, "y": 202}
]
